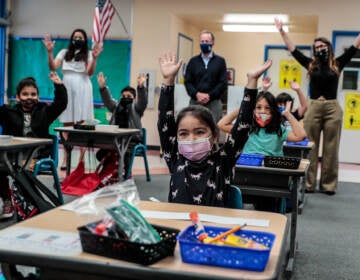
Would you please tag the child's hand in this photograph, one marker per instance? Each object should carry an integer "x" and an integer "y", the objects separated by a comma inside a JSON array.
[
  {"x": 55, "y": 78},
  {"x": 287, "y": 109},
  {"x": 101, "y": 80},
  {"x": 141, "y": 79},
  {"x": 266, "y": 83},
  {"x": 294, "y": 85},
  {"x": 169, "y": 67}
]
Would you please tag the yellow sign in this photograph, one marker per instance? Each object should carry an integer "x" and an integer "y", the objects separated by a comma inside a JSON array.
[
  {"x": 352, "y": 111},
  {"x": 290, "y": 70}
]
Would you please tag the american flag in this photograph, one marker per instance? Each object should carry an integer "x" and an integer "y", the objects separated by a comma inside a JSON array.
[{"x": 104, "y": 12}]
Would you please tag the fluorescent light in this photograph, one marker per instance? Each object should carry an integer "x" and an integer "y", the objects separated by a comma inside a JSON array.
[
  {"x": 251, "y": 28},
  {"x": 254, "y": 18}
]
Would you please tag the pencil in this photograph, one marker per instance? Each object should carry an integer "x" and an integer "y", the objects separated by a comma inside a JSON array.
[{"x": 226, "y": 233}]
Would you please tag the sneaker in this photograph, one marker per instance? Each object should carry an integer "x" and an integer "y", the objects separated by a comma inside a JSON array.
[{"x": 8, "y": 210}]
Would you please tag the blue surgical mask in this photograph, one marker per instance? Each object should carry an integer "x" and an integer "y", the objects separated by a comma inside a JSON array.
[{"x": 205, "y": 48}]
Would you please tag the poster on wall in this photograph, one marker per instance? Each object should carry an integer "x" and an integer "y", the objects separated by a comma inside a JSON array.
[
  {"x": 290, "y": 71},
  {"x": 352, "y": 111}
]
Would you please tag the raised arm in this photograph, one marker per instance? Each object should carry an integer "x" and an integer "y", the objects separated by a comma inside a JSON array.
[
  {"x": 357, "y": 41},
  {"x": 49, "y": 45},
  {"x": 109, "y": 102},
  {"x": 96, "y": 51},
  {"x": 169, "y": 67},
  {"x": 298, "y": 132},
  {"x": 289, "y": 44},
  {"x": 302, "y": 98},
  {"x": 142, "y": 94},
  {"x": 226, "y": 122}
]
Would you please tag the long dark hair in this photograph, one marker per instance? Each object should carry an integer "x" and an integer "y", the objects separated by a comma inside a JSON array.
[
  {"x": 275, "y": 123},
  {"x": 315, "y": 63},
  {"x": 201, "y": 113},
  {"x": 83, "y": 54}
]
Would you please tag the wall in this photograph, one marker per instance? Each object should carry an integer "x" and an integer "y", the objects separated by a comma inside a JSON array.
[
  {"x": 156, "y": 24},
  {"x": 242, "y": 51}
]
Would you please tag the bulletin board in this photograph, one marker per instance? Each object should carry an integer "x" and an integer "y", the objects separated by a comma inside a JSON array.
[
  {"x": 28, "y": 57},
  {"x": 285, "y": 69}
]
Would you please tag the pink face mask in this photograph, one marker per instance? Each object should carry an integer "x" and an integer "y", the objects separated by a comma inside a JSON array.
[{"x": 195, "y": 150}]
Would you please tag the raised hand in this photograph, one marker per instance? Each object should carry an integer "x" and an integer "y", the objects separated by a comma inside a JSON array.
[
  {"x": 55, "y": 78},
  {"x": 266, "y": 83},
  {"x": 278, "y": 24},
  {"x": 169, "y": 67},
  {"x": 48, "y": 43},
  {"x": 96, "y": 50},
  {"x": 294, "y": 85},
  {"x": 141, "y": 79},
  {"x": 101, "y": 80}
]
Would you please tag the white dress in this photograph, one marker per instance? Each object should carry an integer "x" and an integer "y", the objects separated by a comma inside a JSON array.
[{"x": 79, "y": 89}]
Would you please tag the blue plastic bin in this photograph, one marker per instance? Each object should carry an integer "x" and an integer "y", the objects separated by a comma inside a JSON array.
[
  {"x": 193, "y": 251},
  {"x": 250, "y": 159},
  {"x": 299, "y": 143}
]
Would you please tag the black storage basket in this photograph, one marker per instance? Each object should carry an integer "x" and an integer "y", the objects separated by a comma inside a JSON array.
[
  {"x": 282, "y": 162},
  {"x": 130, "y": 251}
]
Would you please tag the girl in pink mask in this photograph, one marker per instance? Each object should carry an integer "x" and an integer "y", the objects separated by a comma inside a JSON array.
[{"x": 200, "y": 170}]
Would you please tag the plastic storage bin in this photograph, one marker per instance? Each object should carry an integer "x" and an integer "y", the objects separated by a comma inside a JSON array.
[
  {"x": 193, "y": 251},
  {"x": 250, "y": 159},
  {"x": 299, "y": 143},
  {"x": 282, "y": 162},
  {"x": 129, "y": 251}
]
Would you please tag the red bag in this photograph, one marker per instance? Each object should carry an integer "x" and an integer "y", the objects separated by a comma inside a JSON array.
[{"x": 79, "y": 183}]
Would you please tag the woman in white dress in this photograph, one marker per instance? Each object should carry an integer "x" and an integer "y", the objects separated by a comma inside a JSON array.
[{"x": 78, "y": 64}]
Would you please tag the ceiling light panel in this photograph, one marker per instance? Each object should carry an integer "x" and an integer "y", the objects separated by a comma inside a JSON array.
[{"x": 254, "y": 18}]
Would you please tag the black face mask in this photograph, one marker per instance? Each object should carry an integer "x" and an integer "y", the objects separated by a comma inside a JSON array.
[
  {"x": 28, "y": 104},
  {"x": 124, "y": 101},
  {"x": 323, "y": 55},
  {"x": 78, "y": 43}
]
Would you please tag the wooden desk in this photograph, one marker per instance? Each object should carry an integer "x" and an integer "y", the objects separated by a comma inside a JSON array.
[
  {"x": 274, "y": 182},
  {"x": 20, "y": 148},
  {"x": 98, "y": 267},
  {"x": 104, "y": 136},
  {"x": 302, "y": 152}
]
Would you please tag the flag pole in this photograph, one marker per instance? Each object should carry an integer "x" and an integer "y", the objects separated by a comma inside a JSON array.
[{"x": 122, "y": 22}]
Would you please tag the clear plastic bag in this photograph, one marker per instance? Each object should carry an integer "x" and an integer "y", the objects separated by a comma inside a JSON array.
[{"x": 93, "y": 206}]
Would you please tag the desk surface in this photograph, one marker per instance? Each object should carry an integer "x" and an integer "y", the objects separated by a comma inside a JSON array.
[
  {"x": 110, "y": 130},
  {"x": 300, "y": 171},
  {"x": 173, "y": 267},
  {"x": 24, "y": 142}
]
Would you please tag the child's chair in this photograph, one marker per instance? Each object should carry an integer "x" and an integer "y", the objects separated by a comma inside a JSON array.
[
  {"x": 140, "y": 151},
  {"x": 234, "y": 198},
  {"x": 49, "y": 165}
]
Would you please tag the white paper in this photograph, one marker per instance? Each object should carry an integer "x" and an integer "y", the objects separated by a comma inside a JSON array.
[
  {"x": 205, "y": 218},
  {"x": 28, "y": 239}
]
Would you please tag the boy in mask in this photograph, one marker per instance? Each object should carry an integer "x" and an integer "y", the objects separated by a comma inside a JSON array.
[
  {"x": 126, "y": 112},
  {"x": 206, "y": 78},
  {"x": 29, "y": 118}
]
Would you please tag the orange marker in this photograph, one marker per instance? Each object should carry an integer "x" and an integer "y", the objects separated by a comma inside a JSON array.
[{"x": 226, "y": 233}]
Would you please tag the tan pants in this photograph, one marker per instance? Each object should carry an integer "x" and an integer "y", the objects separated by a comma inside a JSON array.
[{"x": 325, "y": 116}]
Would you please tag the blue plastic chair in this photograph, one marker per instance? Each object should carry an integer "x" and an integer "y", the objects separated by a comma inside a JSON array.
[
  {"x": 234, "y": 198},
  {"x": 140, "y": 151},
  {"x": 49, "y": 165}
]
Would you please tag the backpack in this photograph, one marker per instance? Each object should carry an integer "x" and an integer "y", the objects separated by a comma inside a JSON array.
[{"x": 30, "y": 196}]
